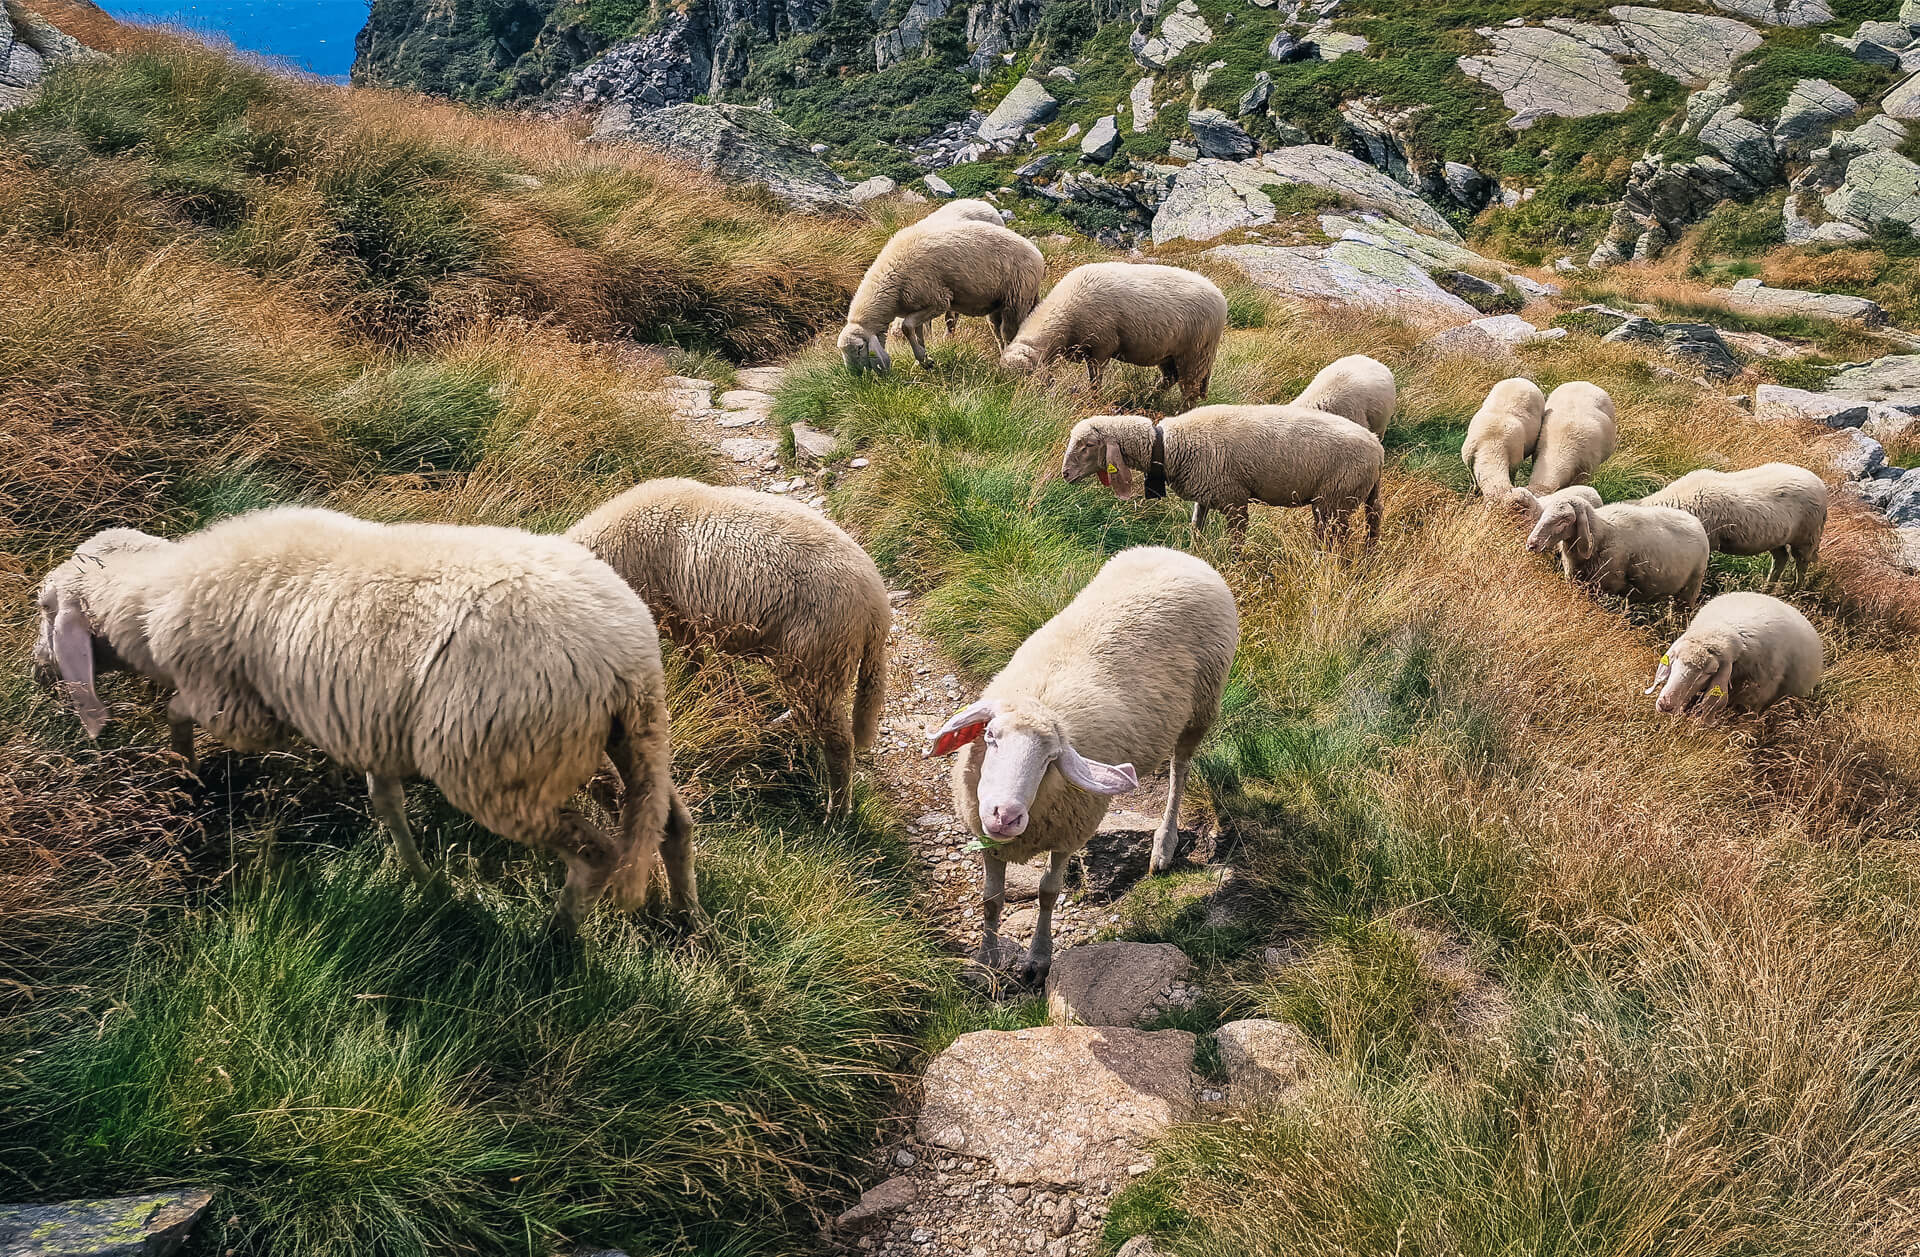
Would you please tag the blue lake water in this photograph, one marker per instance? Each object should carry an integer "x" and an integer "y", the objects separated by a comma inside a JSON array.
[{"x": 311, "y": 35}]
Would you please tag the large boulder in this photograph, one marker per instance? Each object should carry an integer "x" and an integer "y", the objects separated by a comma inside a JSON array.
[
  {"x": 1775, "y": 403},
  {"x": 1179, "y": 30},
  {"x": 1353, "y": 181},
  {"x": 1353, "y": 273},
  {"x": 735, "y": 143},
  {"x": 1745, "y": 144},
  {"x": 29, "y": 47},
  {"x": 1695, "y": 343},
  {"x": 1812, "y": 108},
  {"x": 1880, "y": 187},
  {"x": 1217, "y": 135},
  {"x": 1101, "y": 141},
  {"x": 1540, "y": 73},
  {"x": 1904, "y": 100},
  {"x": 1894, "y": 380},
  {"x": 155, "y": 1225},
  {"x": 872, "y": 189},
  {"x": 1780, "y": 12},
  {"x": 1028, "y": 105},
  {"x": 1058, "y": 1105},
  {"x": 1114, "y": 984},
  {"x": 1752, "y": 296},
  {"x": 1691, "y": 47}
]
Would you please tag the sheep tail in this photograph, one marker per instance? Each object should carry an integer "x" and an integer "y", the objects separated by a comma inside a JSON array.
[
  {"x": 870, "y": 697},
  {"x": 643, "y": 756}
]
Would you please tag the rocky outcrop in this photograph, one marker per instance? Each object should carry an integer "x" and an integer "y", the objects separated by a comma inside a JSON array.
[
  {"x": 1879, "y": 187},
  {"x": 1217, "y": 135},
  {"x": 1350, "y": 273},
  {"x": 1027, "y": 105},
  {"x": 734, "y": 143},
  {"x": 1180, "y": 29},
  {"x": 1116, "y": 984},
  {"x": 1141, "y": 100},
  {"x": 1698, "y": 344},
  {"x": 155, "y": 1225},
  {"x": 1541, "y": 73},
  {"x": 1752, "y": 296},
  {"x": 1210, "y": 198},
  {"x": 1692, "y": 47},
  {"x": 908, "y": 35},
  {"x": 1894, "y": 380},
  {"x": 1780, "y": 12},
  {"x": 1812, "y": 108},
  {"x": 29, "y": 47}
]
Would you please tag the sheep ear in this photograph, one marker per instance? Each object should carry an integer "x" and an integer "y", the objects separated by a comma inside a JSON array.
[
  {"x": 1093, "y": 776},
  {"x": 73, "y": 655},
  {"x": 877, "y": 347},
  {"x": 1123, "y": 486},
  {"x": 1661, "y": 673},
  {"x": 1582, "y": 531},
  {"x": 963, "y": 727}
]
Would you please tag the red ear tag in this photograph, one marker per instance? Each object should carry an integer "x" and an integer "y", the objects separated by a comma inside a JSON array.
[
  {"x": 1106, "y": 477},
  {"x": 953, "y": 739}
]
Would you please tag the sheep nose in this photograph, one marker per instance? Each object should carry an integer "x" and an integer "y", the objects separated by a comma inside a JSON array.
[{"x": 1005, "y": 820}]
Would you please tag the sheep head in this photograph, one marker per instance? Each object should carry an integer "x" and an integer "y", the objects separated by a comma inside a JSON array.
[
  {"x": 1093, "y": 450},
  {"x": 1687, "y": 669},
  {"x": 1020, "y": 740},
  {"x": 862, "y": 349},
  {"x": 1021, "y": 357},
  {"x": 72, "y": 644}
]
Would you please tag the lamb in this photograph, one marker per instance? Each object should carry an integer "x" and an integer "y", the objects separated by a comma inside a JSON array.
[
  {"x": 1223, "y": 457},
  {"x": 754, "y": 574},
  {"x": 1355, "y": 387},
  {"x": 1745, "y": 651},
  {"x": 1148, "y": 315},
  {"x": 501, "y": 666},
  {"x": 1503, "y": 432},
  {"x": 1776, "y": 508},
  {"x": 1645, "y": 552},
  {"x": 935, "y": 267},
  {"x": 1577, "y": 434},
  {"x": 1129, "y": 673}
]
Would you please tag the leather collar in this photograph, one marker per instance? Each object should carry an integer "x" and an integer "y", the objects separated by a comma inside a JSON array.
[{"x": 1157, "y": 466}]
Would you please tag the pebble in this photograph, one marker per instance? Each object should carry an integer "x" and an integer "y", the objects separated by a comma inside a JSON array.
[
  {"x": 1063, "y": 1219},
  {"x": 858, "y": 463},
  {"x": 903, "y": 1158}
]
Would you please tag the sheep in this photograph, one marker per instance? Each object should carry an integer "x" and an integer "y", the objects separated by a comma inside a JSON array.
[
  {"x": 1129, "y": 673},
  {"x": 1223, "y": 457},
  {"x": 1645, "y": 552},
  {"x": 1577, "y": 434},
  {"x": 1776, "y": 508},
  {"x": 501, "y": 666},
  {"x": 971, "y": 210},
  {"x": 1151, "y": 316},
  {"x": 1528, "y": 507},
  {"x": 758, "y": 575},
  {"x": 1355, "y": 387},
  {"x": 1745, "y": 651},
  {"x": 938, "y": 266},
  {"x": 1503, "y": 432}
]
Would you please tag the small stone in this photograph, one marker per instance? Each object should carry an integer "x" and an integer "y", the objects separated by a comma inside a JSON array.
[
  {"x": 858, "y": 463},
  {"x": 747, "y": 449},
  {"x": 813, "y": 443},
  {"x": 879, "y": 1204},
  {"x": 903, "y": 1158},
  {"x": 938, "y": 186},
  {"x": 1063, "y": 1219}
]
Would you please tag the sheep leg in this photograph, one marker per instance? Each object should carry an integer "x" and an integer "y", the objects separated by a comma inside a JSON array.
[
  {"x": 1803, "y": 557},
  {"x": 390, "y": 805},
  {"x": 1167, "y": 838},
  {"x": 1096, "y": 371},
  {"x": 1779, "y": 566},
  {"x": 1237, "y": 524},
  {"x": 180, "y": 726},
  {"x": 953, "y": 324},
  {"x": 1033, "y": 970},
  {"x": 676, "y": 851},
  {"x": 912, "y": 328},
  {"x": 836, "y": 739},
  {"x": 1193, "y": 390},
  {"x": 1199, "y": 518},
  {"x": 993, "y": 896},
  {"x": 645, "y": 765},
  {"x": 589, "y": 857}
]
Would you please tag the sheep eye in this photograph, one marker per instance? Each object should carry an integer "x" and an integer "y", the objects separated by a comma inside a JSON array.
[{"x": 989, "y": 739}]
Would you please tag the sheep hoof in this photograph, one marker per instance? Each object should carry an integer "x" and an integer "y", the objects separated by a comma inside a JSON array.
[{"x": 1032, "y": 971}]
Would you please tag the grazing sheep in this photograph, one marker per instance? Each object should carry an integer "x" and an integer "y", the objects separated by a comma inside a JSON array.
[
  {"x": 1129, "y": 673},
  {"x": 1223, "y": 457},
  {"x": 754, "y": 574},
  {"x": 1524, "y": 504},
  {"x": 1502, "y": 434},
  {"x": 499, "y": 665},
  {"x": 1745, "y": 651},
  {"x": 1776, "y": 508},
  {"x": 1355, "y": 387},
  {"x": 1645, "y": 552},
  {"x": 965, "y": 210},
  {"x": 935, "y": 267},
  {"x": 1576, "y": 435},
  {"x": 1151, "y": 316}
]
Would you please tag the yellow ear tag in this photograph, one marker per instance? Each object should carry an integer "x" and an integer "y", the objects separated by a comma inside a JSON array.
[
  {"x": 1717, "y": 692},
  {"x": 1666, "y": 659},
  {"x": 1112, "y": 470}
]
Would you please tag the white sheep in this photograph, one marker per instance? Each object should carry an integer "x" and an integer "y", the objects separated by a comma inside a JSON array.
[
  {"x": 501, "y": 666},
  {"x": 1645, "y": 552},
  {"x": 970, "y": 210},
  {"x": 1223, "y": 457},
  {"x": 1528, "y": 507},
  {"x": 1776, "y": 508},
  {"x": 1355, "y": 387},
  {"x": 938, "y": 266},
  {"x": 1502, "y": 435},
  {"x": 1577, "y": 434},
  {"x": 1148, "y": 315},
  {"x": 1129, "y": 673},
  {"x": 1744, "y": 651},
  {"x": 753, "y": 574}
]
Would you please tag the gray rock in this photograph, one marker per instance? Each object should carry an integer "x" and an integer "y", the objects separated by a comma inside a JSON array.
[
  {"x": 1217, "y": 135},
  {"x": 1286, "y": 48},
  {"x": 1027, "y": 105},
  {"x": 1691, "y": 47},
  {"x": 1905, "y": 551},
  {"x": 1898, "y": 499},
  {"x": 1541, "y": 73},
  {"x": 1113, "y": 984},
  {"x": 1141, "y": 98},
  {"x": 1350, "y": 273},
  {"x": 1063, "y": 72},
  {"x": 811, "y": 442},
  {"x": 910, "y": 34},
  {"x": 1854, "y": 454},
  {"x": 1036, "y": 166},
  {"x": 879, "y": 1203},
  {"x": 1057, "y": 1105},
  {"x": 1753, "y": 296},
  {"x": 155, "y": 1225},
  {"x": 1254, "y": 99},
  {"x": 1812, "y": 108},
  {"x": 1745, "y": 145},
  {"x": 1887, "y": 34},
  {"x": 1465, "y": 341},
  {"x": 1467, "y": 186},
  {"x": 1179, "y": 31},
  {"x": 1774, "y": 403},
  {"x": 1904, "y": 100},
  {"x": 1101, "y": 141},
  {"x": 1799, "y": 229},
  {"x": 1469, "y": 286},
  {"x": 938, "y": 186},
  {"x": 1894, "y": 379},
  {"x": 1143, "y": 1245},
  {"x": 872, "y": 189},
  {"x": 1880, "y": 187},
  {"x": 1264, "y": 1060},
  {"x": 1780, "y": 12},
  {"x": 1116, "y": 858},
  {"x": 1697, "y": 343},
  {"x": 1180, "y": 150},
  {"x": 1355, "y": 181},
  {"x": 30, "y": 46},
  {"x": 1333, "y": 45},
  {"x": 1870, "y": 51},
  {"x": 749, "y": 449},
  {"x": 734, "y": 143},
  {"x": 1513, "y": 331}
]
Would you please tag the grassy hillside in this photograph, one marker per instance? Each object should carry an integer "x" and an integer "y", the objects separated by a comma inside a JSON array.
[{"x": 1680, "y": 1013}]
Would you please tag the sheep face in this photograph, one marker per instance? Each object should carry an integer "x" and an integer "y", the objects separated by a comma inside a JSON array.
[
  {"x": 1688, "y": 669},
  {"x": 1092, "y": 451},
  {"x": 1558, "y": 522},
  {"x": 70, "y": 644},
  {"x": 1020, "y": 740},
  {"x": 1020, "y": 358},
  {"x": 861, "y": 349}
]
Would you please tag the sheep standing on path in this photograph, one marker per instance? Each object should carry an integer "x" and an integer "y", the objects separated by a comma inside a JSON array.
[
  {"x": 1502, "y": 435},
  {"x": 1577, "y": 434},
  {"x": 1644, "y": 552},
  {"x": 1148, "y": 315},
  {"x": 1744, "y": 651},
  {"x": 1355, "y": 387},
  {"x": 1777, "y": 509},
  {"x": 1223, "y": 457},
  {"x": 499, "y": 665},
  {"x": 936, "y": 267},
  {"x": 1129, "y": 673},
  {"x": 753, "y": 574}
]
